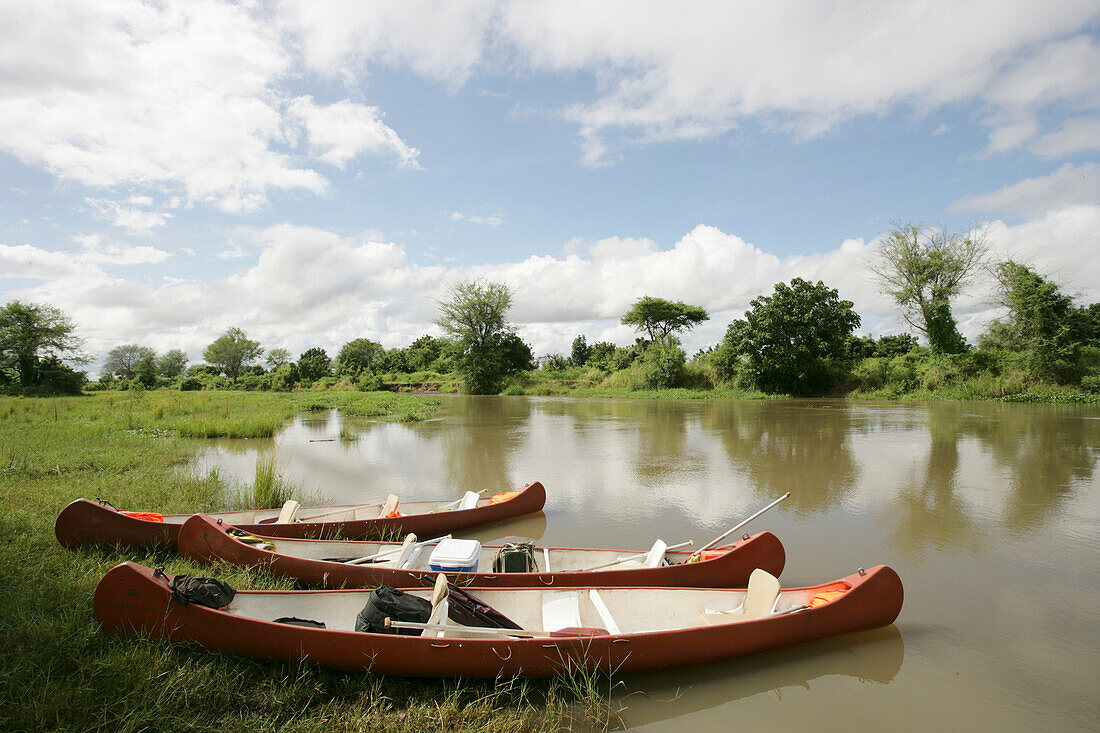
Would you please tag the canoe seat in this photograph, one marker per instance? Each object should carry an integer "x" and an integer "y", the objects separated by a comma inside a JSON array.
[
  {"x": 605, "y": 614},
  {"x": 468, "y": 500},
  {"x": 561, "y": 609},
  {"x": 653, "y": 558},
  {"x": 289, "y": 512},
  {"x": 761, "y": 598},
  {"x": 389, "y": 507}
]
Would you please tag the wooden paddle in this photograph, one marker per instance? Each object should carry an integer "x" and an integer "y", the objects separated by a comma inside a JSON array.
[
  {"x": 633, "y": 557},
  {"x": 730, "y": 531},
  {"x": 315, "y": 517},
  {"x": 395, "y": 551},
  {"x": 560, "y": 633},
  {"x": 445, "y": 507}
]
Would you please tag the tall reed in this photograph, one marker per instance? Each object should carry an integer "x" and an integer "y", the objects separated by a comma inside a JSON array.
[{"x": 269, "y": 489}]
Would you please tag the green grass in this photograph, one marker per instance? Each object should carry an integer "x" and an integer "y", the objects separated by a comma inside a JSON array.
[
  {"x": 268, "y": 490},
  {"x": 58, "y": 671}
]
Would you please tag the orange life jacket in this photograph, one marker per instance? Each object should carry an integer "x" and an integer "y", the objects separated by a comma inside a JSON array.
[{"x": 147, "y": 516}]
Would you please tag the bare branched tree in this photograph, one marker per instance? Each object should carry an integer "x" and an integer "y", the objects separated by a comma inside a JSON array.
[{"x": 922, "y": 269}]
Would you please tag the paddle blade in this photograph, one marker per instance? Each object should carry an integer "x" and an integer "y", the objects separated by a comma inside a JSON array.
[{"x": 579, "y": 631}]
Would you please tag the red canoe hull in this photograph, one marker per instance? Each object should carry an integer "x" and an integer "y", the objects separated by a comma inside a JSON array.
[
  {"x": 203, "y": 539},
  {"x": 130, "y": 600},
  {"x": 87, "y": 522}
]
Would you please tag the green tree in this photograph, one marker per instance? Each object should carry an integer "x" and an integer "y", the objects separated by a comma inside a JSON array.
[
  {"x": 555, "y": 363},
  {"x": 122, "y": 361},
  {"x": 171, "y": 363},
  {"x": 1042, "y": 322},
  {"x": 231, "y": 351},
  {"x": 358, "y": 356},
  {"x": 794, "y": 341},
  {"x": 922, "y": 270},
  {"x": 284, "y": 377},
  {"x": 145, "y": 371},
  {"x": 602, "y": 355},
  {"x": 31, "y": 333},
  {"x": 516, "y": 354},
  {"x": 660, "y": 318},
  {"x": 475, "y": 314},
  {"x": 396, "y": 360},
  {"x": 863, "y": 347},
  {"x": 277, "y": 357},
  {"x": 663, "y": 363},
  {"x": 314, "y": 364},
  {"x": 423, "y": 353},
  {"x": 580, "y": 352}
]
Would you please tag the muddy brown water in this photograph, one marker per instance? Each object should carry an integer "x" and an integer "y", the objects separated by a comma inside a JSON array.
[{"x": 990, "y": 513}]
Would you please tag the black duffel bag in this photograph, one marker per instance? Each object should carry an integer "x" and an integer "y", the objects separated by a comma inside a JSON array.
[
  {"x": 384, "y": 602},
  {"x": 209, "y": 592}
]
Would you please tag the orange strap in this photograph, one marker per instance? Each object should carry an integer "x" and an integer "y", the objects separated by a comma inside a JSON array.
[
  {"x": 497, "y": 498},
  {"x": 824, "y": 597},
  {"x": 147, "y": 516}
]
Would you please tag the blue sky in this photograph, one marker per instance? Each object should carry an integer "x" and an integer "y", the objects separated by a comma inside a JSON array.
[{"x": 315, "y": 172}]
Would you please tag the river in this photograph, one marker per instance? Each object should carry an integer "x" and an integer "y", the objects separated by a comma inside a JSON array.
[{"x": 990, "y": 513}]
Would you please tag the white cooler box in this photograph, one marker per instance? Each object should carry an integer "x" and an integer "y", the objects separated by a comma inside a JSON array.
[{"x": 455, "y": 556}]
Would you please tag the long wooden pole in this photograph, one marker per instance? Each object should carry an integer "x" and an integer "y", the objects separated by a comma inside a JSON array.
[
  {"x": 446, "y": 507},
  {"x": 394, "y": 550},
  {"x": 633, "y": 557},
  {"x": 727, "y": 533},
  {"x": 390, "y": 623},
  {"x": 352, "y": 508}
]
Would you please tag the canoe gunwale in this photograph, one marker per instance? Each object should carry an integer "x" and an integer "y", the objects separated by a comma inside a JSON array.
[
  {"x": 130, "y": 599},
  {"x": 202, "y": 538},
  {"x": 87, "y": 522}
]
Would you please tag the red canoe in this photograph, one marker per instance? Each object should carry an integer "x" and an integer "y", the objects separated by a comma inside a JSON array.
[
  {"x": 614, "y": 629},
  {"x": 204, "y": 538},
  {"x": 90, "y": 522}
]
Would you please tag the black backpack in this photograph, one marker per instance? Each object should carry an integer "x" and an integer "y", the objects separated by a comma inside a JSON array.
[
  {"x": 515, "y": 557},
  {"x": 209, "y": 592},
  {"x": 400, "y": 606}
]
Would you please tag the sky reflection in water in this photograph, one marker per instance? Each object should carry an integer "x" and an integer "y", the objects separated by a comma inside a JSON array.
[{"x": 989, "y": 513}]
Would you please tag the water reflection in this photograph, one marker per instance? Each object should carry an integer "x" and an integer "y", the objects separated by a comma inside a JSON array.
[
  {"x": 676, "y": 696},
  {"x": 479, "y": 455},
  {"x": 930, "y": 510},
  {"x": 1047, "y": 455},
  {"x": 798, "y": 446},
  {"x": 989, "y": 513}
]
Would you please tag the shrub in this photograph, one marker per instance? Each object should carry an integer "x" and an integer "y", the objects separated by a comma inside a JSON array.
[
  {"x": 369, "y": 382},
  {"x": 663, "y": 364},
  {"x": 190, "y": 384},
  {"x": 555, "y": 363},
  {"x": 253, "y": 382}
]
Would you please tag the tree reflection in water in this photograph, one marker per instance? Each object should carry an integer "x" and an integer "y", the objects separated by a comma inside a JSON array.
[{"x": 781, "y": 446}]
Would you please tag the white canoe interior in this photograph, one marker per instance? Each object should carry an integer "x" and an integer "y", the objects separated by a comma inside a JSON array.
[
  {"x": 549, "y": 559},
  {"x": 621, "y": 610},
  {"x": 348, "y": 513}
]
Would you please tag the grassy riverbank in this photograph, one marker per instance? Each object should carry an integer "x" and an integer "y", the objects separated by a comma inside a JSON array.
[
  {"x": 58, "y": 671},
  {"x": 917, "y": 375}
]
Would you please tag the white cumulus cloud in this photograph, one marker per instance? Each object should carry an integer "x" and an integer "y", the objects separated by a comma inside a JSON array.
[
  {"x": 1068, "y": 186},
  {"x": 340, "y": 131},
  {"x": 188, "y": 97},
  {"x": 698, "y": 69}
]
